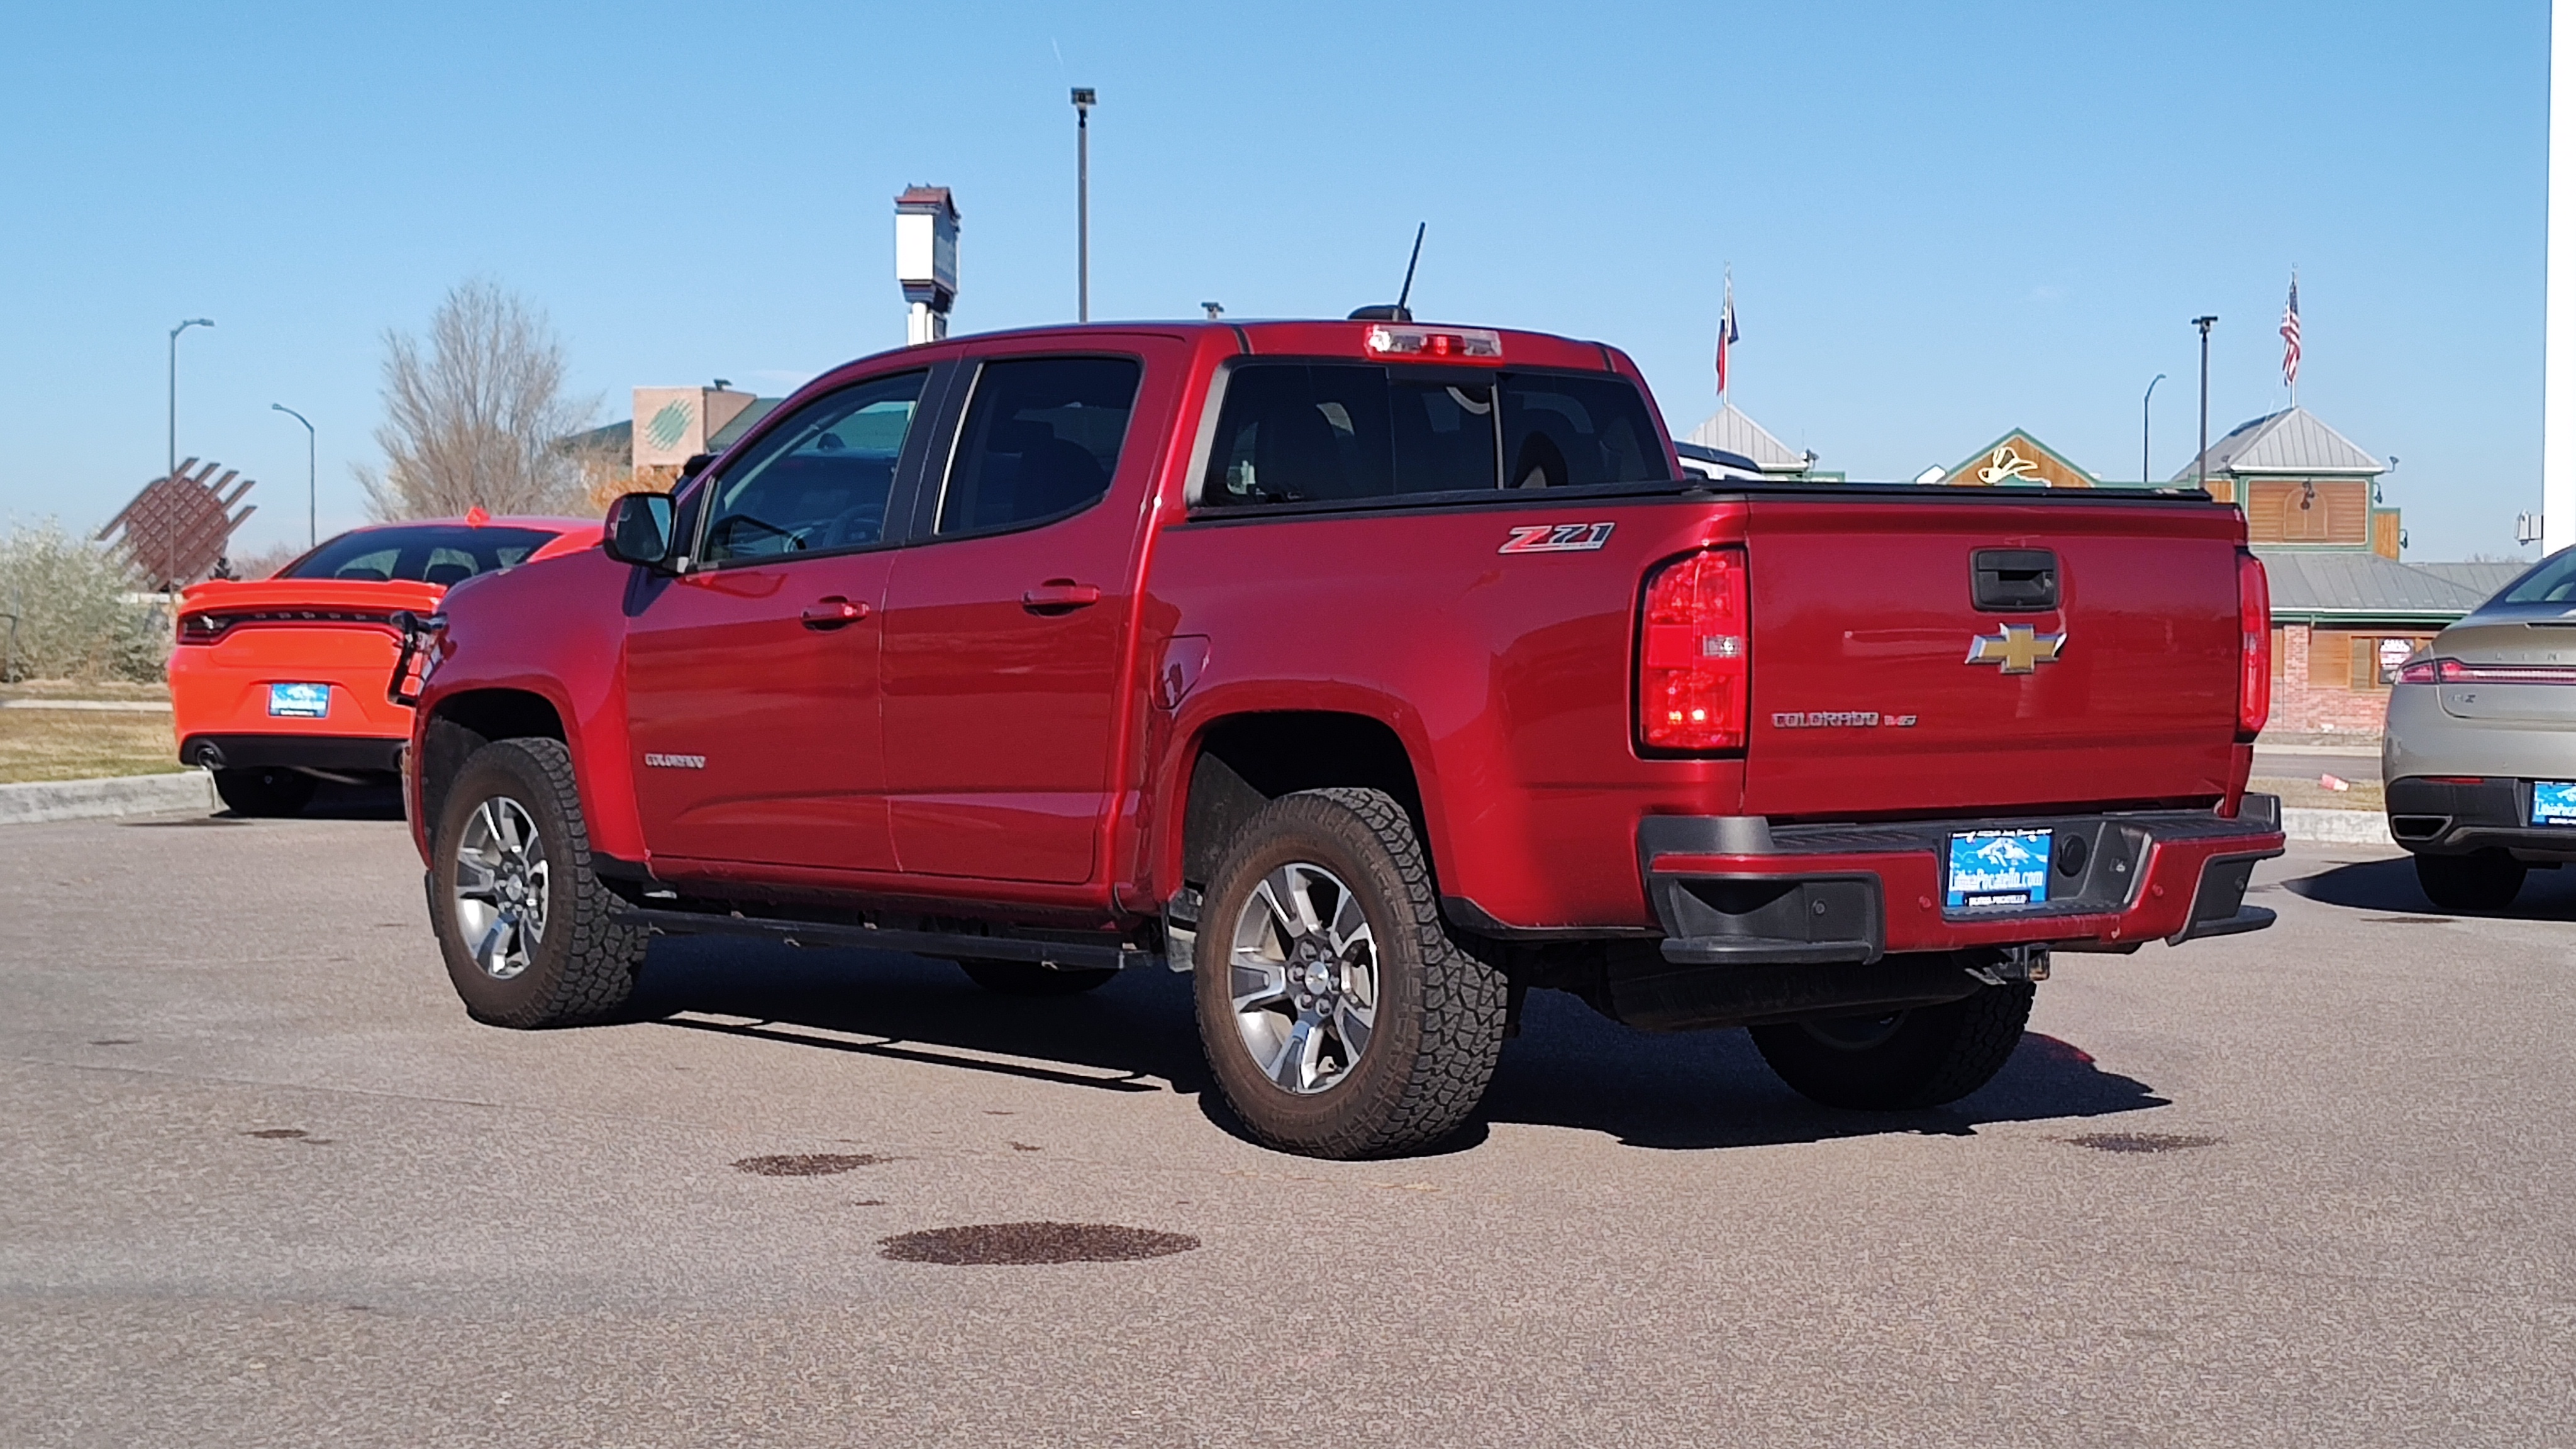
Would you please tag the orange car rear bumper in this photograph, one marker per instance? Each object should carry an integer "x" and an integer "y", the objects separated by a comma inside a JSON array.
[{"x": 229, "y": 711}]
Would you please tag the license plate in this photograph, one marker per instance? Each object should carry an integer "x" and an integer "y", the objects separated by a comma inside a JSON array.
[
  {"x": 1991, "y": 868},
  {"x": 299, "y": 701},
  {"x": 2553, "y": 802}
]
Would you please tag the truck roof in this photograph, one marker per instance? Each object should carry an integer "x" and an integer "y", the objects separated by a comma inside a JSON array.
[{"x": 1286, "y": 337}]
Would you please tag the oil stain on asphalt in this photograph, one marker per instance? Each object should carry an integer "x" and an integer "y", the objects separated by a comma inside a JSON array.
[
  {"x": 1025, "y": 1243},
  {"x": 2141, "y": 1141},
  {"x": 808, "y": 1164}
]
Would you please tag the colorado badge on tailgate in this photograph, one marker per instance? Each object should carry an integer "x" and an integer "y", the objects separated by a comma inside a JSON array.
[{"x": 299, "y": 701}]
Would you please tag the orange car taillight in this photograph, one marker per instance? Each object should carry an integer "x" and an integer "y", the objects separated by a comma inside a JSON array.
[
  {"x": 1694, "y": 666},
  {"x": 2254, "y": 652},
  {"x": 202, "y": 628}
]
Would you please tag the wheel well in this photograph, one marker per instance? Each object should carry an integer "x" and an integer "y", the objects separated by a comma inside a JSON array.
[
  {"x": 1248, "y": 761},
  {"x": 467, "y": 722}
]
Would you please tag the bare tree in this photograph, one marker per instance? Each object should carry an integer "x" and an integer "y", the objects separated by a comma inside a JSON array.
[{"x": 478, "y": 416}]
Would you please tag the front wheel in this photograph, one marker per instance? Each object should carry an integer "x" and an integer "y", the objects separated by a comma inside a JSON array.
[
  {"x": 2482, "y": 880},
  {"x": 1338, "y": 1016},
  {"x": 1920, "y": 1057},
  {"x": 522, "y": 919}
]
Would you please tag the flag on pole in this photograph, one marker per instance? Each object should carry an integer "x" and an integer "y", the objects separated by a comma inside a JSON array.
[
  {"x": 2290, "y": 337},
  {"x": 1725, "y": 333}
]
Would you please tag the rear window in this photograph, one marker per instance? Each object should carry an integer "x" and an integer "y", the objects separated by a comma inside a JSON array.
[
  {"x": 1040, "y": 441},
  {"x": 2553, "y": 582},
  {"x": 1350, "y": 432},
  {"x": 443, "y": 554}
]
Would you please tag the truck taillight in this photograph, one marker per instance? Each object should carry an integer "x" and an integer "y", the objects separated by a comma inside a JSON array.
[
  {"x": 2254, "y": 653},
  {"x": 1694, "y": 666}
]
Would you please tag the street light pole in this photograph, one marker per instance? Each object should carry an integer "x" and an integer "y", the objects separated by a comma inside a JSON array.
[
  {"x": 173, "y": 467},
  {"x": 2200, "y": 461},
  {"x": 312, "y": 533},
  {"x": 2146, "y": 430},
  {"x": 1084, "y": 98}
]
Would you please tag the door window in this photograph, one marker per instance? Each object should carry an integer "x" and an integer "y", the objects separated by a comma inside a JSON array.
[
  {"x": 818, "y": 482},
  {"x": 1041, "y": 441}
]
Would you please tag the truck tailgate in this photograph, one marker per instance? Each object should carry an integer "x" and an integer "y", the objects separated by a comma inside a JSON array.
[{"x": 1872, "y": 696}]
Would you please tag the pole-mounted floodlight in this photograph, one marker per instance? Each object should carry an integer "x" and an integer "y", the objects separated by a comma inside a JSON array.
[
  {"x": 312, "y": 511},
  {"x": 2200, "y": 463},
  {"x": 1084, "y": 98}
]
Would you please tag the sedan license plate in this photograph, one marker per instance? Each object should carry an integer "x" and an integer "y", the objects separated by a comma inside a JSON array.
[
  {"x": 299, "y": 701},
  {"x": 2553, "y": 802},
  {"x": 1990, "y": 868}
]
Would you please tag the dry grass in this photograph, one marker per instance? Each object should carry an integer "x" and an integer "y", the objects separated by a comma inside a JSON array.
[
  {"x": 2305, "y": 793},
  {"x": 62, "y": 744},
  {"x": 86, "y": 689}
]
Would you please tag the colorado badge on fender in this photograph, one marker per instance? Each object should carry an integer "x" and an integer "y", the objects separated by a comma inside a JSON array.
[{"x": 1557, "y": 538}]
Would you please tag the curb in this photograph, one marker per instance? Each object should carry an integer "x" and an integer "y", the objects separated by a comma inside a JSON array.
[
  {"x": 38, "y": 801},
  {"x": 2337, "y": 827}
]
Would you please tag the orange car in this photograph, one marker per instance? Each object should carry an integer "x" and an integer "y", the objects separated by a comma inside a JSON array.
[{"x": 279, "y": 683}]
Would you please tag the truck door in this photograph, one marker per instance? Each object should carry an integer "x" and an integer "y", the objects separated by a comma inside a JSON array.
[
  {"x": 1005, "y": 628},
  {"x": 751, "y": 678}
]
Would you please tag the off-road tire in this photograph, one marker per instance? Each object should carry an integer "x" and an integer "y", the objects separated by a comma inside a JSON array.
[
  {"x": 1027, "y": 978},
  {"x": 1440, "y": 1009},
  {"x": 2482, "y": 880},
  {"x": 266, "y": 792},
  {"x": 583, "y": 968},
  {"x": 1932, "y": 1055}
]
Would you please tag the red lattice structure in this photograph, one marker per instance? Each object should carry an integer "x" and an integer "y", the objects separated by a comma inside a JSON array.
[{"x": 179, "y": 528}]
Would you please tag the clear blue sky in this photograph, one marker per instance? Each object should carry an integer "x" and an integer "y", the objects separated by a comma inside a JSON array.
[{"x": 1944, "y": 220}]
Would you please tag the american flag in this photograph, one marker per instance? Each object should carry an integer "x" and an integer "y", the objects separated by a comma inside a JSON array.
[
  {"x": 1725, "y": 331},
  {"x": 2290, "y": 335}
]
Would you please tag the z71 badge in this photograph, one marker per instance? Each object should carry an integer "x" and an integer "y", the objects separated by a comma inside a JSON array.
[{"x": 1557, "y": 538}]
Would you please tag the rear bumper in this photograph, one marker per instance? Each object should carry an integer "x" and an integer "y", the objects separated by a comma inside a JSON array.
[
  {"x": 353, "y": 753},
  {"x": 1740, "y": 890},
  {"x": 2449, "y": 817}
]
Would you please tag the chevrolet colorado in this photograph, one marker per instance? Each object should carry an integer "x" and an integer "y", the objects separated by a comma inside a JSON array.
[{"x": 1374, "y": 672}]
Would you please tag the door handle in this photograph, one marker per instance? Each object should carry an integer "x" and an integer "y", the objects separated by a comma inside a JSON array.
[
  {"x": 833, "y": 612},
  {"x": 1057, "y": 596}
]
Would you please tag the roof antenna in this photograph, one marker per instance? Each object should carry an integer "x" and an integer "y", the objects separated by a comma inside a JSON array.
[
  {"x": 1399, "y": 312},
  {"x": 1415, "y": 260}
]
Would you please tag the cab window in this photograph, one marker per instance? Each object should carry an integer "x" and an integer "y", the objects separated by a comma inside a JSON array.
[
  {"x": 818, "y": 482},
  {"x": 1563, "y": 431}
]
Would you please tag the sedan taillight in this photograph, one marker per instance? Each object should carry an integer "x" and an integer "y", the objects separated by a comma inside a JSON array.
[
  {"x": 1693, "y": 671},
  {"x": 2454, "y": 671}
]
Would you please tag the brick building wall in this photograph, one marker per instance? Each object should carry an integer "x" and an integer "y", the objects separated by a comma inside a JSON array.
[{"x": 2312, "y": 700}]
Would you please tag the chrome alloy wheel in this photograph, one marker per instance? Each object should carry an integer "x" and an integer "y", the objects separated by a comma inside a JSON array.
[
  {"x": 1303, "y": 976},
  {"x": 501, "y": 887}
]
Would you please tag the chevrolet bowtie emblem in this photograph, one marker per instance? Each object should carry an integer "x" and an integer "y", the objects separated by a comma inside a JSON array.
[{"x": 2019, "y": 648}]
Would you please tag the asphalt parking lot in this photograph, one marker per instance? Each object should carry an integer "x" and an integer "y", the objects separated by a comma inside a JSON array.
[{"x": 266, "y": 1184}]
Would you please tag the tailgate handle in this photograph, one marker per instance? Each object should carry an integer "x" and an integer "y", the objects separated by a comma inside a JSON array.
[{"x": 2014, "y": 580}]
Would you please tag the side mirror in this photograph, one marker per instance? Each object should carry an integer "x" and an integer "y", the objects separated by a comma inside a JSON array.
[{"x": 638, "y": 529}]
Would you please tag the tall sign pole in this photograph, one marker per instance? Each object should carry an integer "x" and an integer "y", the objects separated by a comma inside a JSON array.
[
  {"x": 1084, "y": 98},
  {"x": 173, "y": 467},
  {"x": 2558, "y": 364},
  {"x": 2200, "y": 461}
]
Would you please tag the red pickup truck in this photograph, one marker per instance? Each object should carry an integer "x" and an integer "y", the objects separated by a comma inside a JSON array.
[{"x": 1376, "y": 673}]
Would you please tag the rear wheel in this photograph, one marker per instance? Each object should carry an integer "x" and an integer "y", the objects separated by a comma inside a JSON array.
[
  {"x": 1026, "y": 978},
  {"x": 2482, "y": 880},
  {"x": 522, "y": 919},
  {"x": 1921, "y": 1057},
  {"x": 268, "y": 791},
  {"x": 1338, "y": 1016}
]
